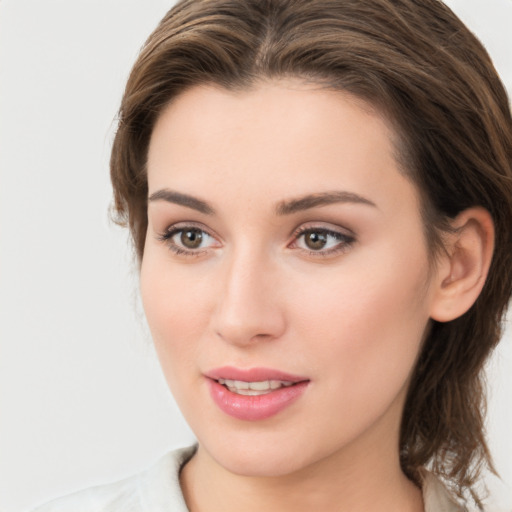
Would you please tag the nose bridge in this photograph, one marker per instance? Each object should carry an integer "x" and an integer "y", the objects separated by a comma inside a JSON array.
[{"x": 248, "y": 306}]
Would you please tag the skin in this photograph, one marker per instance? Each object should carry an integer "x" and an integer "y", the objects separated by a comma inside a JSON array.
[{"x": 254, "y": 294}]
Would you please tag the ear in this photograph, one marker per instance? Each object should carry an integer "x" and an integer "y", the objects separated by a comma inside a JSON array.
[{"x": 463, "y": 267}]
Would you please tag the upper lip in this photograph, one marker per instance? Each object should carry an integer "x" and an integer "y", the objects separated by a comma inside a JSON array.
[{"x": 253, "y": 374}]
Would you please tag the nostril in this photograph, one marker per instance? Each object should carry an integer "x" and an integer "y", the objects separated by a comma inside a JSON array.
[{"x": 243, "y": 338}]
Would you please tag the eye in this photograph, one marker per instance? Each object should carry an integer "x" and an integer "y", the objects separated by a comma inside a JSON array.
[
  {"x": 188, "y": 240},
  {"x": 322, "y": 241}
]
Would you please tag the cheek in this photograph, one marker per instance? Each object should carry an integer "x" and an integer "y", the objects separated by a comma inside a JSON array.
[
  {"x": 366, "y": 324},
  {"x": 176, "y": 304}
]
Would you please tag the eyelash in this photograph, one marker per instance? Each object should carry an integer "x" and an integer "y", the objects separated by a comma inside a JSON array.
[
  {"x": 172, "y": 231},
  {"x": 345, "y": 241}
]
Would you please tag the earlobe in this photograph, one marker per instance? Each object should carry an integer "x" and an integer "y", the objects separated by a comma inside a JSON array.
[{"x": 465, "y": 263}]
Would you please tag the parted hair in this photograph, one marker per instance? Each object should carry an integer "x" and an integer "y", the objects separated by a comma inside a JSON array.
[{"x": 418, "y": 65}]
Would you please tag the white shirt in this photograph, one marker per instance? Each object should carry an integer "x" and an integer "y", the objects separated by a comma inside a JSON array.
[{"x": 158, "y": 490}]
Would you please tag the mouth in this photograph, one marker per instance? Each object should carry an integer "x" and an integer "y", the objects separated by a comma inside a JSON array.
[
  {"x": 256, "y": 388},
  {"x": 254, "y": 394}
]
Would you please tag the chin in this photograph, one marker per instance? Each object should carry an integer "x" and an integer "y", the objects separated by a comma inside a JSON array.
[
  {"x": 263, "y": 457},
  {"x": 263, "y": 464}
]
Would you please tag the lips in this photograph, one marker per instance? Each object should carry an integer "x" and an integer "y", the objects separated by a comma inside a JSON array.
[{"x": 254, "y": 394}]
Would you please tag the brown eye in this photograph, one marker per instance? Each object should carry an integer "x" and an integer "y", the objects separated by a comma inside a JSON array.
[
  {"x": 191, "y": 238},
  {"x": 315, "y": 240},
  {"x": 188, "y": 240},
  {"x": 323, "y": 241}
]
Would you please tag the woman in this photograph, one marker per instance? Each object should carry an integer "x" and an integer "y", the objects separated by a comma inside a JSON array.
[{"x": 319, "y": 194}]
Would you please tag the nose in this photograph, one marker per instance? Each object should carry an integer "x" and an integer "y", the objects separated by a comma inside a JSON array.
[{"x": 249, "y": 307}]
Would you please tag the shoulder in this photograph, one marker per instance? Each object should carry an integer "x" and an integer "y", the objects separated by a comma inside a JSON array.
[
  {"x": 436, "y": 496},
  {"x": 155, "y": 490}
]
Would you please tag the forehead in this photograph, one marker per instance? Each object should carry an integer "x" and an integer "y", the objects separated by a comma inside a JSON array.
[{"x": 296, "y": 137}]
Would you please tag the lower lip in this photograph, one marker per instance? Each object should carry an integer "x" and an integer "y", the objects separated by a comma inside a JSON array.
[{"x": 254, "y": 408}]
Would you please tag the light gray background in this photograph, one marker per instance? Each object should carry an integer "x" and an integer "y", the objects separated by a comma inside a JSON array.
[{"x": 82, "y": 400}]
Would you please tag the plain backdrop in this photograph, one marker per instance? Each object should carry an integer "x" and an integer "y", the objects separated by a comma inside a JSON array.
[{"x": 82, "y": 400}]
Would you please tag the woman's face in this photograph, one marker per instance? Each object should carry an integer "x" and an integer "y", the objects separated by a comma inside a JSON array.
[{"x": 285, "y": 255}]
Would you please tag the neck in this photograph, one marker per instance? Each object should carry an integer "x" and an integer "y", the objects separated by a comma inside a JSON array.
[{"x": 363, "y": 476}]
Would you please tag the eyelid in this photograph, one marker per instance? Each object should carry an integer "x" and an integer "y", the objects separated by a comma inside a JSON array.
[
  {"x": 323, "y": 226},
  {"x": 167, "y": 235},
  {"x": 346, "y": 236}
]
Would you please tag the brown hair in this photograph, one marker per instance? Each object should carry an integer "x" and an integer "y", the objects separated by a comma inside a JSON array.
[{"x": 417, "y": 63}]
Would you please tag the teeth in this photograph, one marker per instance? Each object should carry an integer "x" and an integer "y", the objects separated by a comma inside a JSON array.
[
  {"x": 260, "y": 386},
  {"x": 253, "y": 388}
]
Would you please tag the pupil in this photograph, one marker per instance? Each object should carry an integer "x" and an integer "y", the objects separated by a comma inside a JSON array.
[
  {"x": 316, "y": 240},
  {"x": 192, "y": 238}
]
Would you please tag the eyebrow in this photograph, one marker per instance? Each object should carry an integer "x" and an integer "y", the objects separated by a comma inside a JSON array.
[
  {"x": 320, "y": 199},
  {"x": 287, "y": 207},
  {"x": 183, "y": 200}
]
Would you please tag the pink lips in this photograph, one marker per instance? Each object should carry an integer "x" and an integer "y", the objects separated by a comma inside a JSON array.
[{"x": 259, "y": 407}]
